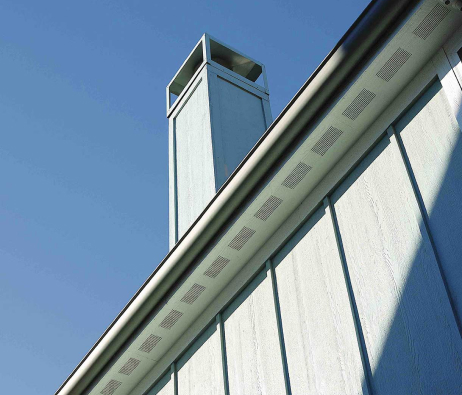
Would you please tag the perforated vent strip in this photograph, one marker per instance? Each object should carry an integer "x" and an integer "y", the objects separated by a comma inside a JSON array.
[
  {"x": 111, "y": 387},
  {"x": 191, "y": 296},
  {"x": 171, "y": 319},
  {"x": 241, "y": 238},
  {"x": 265, "y": 211},
  {"x": 431, "y": 21},
  {"x": 129, "y": 366},
  {"x": 150, "y": 343},
  {"x": 326, "y": 141},
  {"x": 358, "y": 105},
  {"x": 216, "y": 267},
  {"x": 296, "y": 175},
  {"x": 392, "y": 65}
]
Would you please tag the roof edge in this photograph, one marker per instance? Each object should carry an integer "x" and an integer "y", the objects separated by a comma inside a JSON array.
[{"x": 358, "y": 44}]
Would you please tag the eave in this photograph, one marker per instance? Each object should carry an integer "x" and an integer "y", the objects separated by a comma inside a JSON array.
[{"x": 383, "y": 28}]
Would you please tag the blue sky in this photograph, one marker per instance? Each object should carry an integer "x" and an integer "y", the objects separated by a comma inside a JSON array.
[{"x": 83, "y": 153}]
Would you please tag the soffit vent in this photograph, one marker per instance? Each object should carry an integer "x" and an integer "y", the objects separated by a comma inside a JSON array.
[
  {"x": 216, "y": 267},
  {"x": 392, "y": 65},
  {"x": 111, "y": 387},
  {"x": 326, "y": 141},
  {"x": 171, "y": 319},
  {"x": 268, "y": 208},
  {"x": 431, "y": 21},
  {"x": 150, "y": 343},
  {"x": 358, "y": 105},
  {"x": 129, "y": 366},
  {"x": 191, "y": 296},
  {"x": 241, "y": 238},
  {"x": 296, "y": 175}
]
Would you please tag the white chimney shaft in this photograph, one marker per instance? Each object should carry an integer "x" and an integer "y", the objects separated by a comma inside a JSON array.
[{"x": 219, "y": 114}]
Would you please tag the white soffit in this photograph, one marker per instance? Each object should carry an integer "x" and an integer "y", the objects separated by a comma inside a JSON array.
[{"x": 376, "y": 86}]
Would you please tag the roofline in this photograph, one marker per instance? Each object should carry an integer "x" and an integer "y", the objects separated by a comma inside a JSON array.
[{"x": 358, "y": 44}]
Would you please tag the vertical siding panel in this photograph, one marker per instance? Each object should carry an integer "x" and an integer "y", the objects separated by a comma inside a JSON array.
[
  {"x": 194, "y": 155},
  {"x": 172, "y": 181},
  {"x": 200, "y": 370},
  {"x": 321, "y": 344},
  {"x": 240, "y": 122},
  {"x": 432, "y": 142},
  {"x": 252, "y": 344},
  {"x": 410, "y": 332}
]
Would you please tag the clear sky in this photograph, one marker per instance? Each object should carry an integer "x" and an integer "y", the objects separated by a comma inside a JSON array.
[{"x": 83, "y": 153}]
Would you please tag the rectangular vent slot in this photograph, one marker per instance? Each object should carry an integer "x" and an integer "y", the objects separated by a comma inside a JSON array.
[
  {"x": 326, "y": 141},
  {"x": 171, "y": 319},
  {"x": 129, "y": 366},
  {"x": 191, "y": 296},
  {"x": 431, "y": 21},
  {"x": 358, "y": 105},
  {"x": 241, "y": 238},
  {"x": 392, "y": 65},
  {"x": 268, "y": 208},
  {"x": 150, "y": 343},
  {"x": 296, "y": 175},
  {"x": 216, "y": 267},
  {"x": 111, "y": 387}
]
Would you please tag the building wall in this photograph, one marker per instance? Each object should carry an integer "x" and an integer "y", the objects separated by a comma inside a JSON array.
[
  {"x": 365, "y": 298},
  {"x": 321, "y": 345},
  {"x": 200, "y": 370},
  {"x": 430, "y": 137},
  {"x": 405, "y": 316},
  {"x": 252, "y": 344}
]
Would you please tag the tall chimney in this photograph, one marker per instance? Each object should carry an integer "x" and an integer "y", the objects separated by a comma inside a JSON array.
[{"x": 219, "y": 113}]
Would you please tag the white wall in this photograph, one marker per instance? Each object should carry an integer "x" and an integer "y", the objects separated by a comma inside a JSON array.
[
  {"x": 432, "y": 141},
  {"x": 412, "y": 340},
  {"x": 321, "y": 344},
  {"x": 252, "y": 345},
  {"x": 200, "y": 371}
]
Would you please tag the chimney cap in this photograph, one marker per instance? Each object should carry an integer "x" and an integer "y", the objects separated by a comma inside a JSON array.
[{"x": 222, "y": 56}]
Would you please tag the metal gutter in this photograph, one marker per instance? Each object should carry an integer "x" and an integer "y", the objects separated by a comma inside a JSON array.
[{"x": 358, "y": 44}]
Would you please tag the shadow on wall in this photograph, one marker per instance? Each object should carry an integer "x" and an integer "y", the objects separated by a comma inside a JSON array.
[{"x": 420, "y": 351}]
